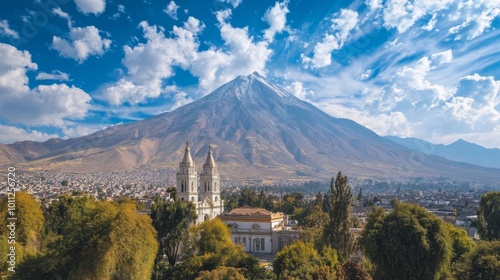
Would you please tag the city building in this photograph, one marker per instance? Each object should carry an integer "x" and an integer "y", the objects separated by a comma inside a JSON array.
[
  {"x": 205, "y": 193},
  {"x": 259, "y": 230}
]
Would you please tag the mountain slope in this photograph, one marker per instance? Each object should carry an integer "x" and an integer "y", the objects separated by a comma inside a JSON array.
[
  {"x": 257, "y": 130},
  {"x": 460, "y": 150}
]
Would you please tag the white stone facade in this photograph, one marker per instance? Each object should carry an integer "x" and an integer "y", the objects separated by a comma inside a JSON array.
[
  {"x": 258, "y": 230},
  {"x": 205, "y": 195}
]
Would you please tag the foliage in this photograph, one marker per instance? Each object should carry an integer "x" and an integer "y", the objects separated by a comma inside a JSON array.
[
  {"x": 461, "y": 243},
  {"x": 484, "y": 262},
  {"x": 313, "y": 215},
  {"x": 29, "y": 228},
  {"x": 301, "y": 261},
  {"x": 210, "y": 247},
  {"x": 354, "y": 271},
  {"x": 171, "y": 219},
  {"x": 489, "y": 216},
  {"x": 337, "y": 231},
  {"x": 409, "y": 243},
  {"x": 99, "y": 240},
  {"x": 222, "y": 273}
]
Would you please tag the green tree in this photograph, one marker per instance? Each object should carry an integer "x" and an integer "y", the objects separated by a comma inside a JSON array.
[
  {"x": 100, "y": 240},
  {"x": 337, "y": 231},
  {"x": 360, "y": 194},
  {"x": 222, "y": 273},
  {"x": 461, "y": 243},
  {"x": 301, "y": 261},
  {"x": 484, "y": 262},
  {"x": 488, "y": 216},
  {"x": 28, "y": 228},
  {"x": 171, "y": 219},
  {"x": 210, "y": 247},
  {"x": 409, "y": 243},
  {"x": 354, "y": 271}
]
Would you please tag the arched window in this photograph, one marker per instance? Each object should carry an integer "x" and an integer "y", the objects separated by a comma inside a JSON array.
[
  {"x": 262, "y": 244},
  {"x": 192, "y": 186},
  {"x": 183, "y": 186},
  {"x": 215, "y": 187},
  {"x": 244, "y": 240},
  {"x": 215, "y": 198}
]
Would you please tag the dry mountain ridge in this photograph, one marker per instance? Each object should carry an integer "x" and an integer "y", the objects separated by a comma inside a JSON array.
[{"x": 257, "y": 130}]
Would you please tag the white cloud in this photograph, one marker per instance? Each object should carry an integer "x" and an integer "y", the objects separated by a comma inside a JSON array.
[
  {"x": 44, "y": 105},
  {"x": 297, "y": 89},
  {"x": 149, "y": 63},
  {"x": 276, "y": 17},
  {"x": 171, "y": 10},
  {"x": 121, "y": 10},
  {"x": 366, "y": 75},
  {"x": 234, "y": 3},
  {"x": 402, "y": 14},
  {"x": 6, "y": 31},
  {"x": 58, "y": 11},
  {"x": 91, "y": 6},
  {"x": 432, "y": 22},
  {"x": 342, "y": 25},
  {"x": 474, "y": 18},
  {"x": 180, "y": 98},
  {"x": 443, "y": 57},
  {"x": 83, "y": 42},
  {"x": 374, "y": 4},
  {"x": 79, "y": 130},
  {"x": 215, "y": 67},
  {"x": 55, "y": 75},
  {"x": 11, "y": 134}
]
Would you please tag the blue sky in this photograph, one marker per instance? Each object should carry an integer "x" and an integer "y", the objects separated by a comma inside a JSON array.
[{"x": 427, "y": 69}]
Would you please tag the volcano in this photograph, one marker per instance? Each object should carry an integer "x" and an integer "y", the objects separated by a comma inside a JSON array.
[{"x": 256, "y": 130}]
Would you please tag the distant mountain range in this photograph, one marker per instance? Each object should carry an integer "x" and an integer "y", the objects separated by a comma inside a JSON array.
[
  {"x": 257, "y": 130},
  {"x": 460, "y": 150}
]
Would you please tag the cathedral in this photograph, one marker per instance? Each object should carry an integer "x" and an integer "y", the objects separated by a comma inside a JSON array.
[{"x": 205, "y": 193}]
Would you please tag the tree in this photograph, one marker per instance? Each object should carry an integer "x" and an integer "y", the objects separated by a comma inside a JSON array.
[
  {"x": 409, "y": 243},
  {"x": 360, "y": 194},
  {"x": 301, "y": 261},
  {"x": 28, "y": 227},
  {"x": 100, "y": 240},
  {"x": 337, "y": 231},
  {"x": 210, "y": 247},
  {"x": 354, "y": 271},
  {"x": 488, "y": 216},
  {"x": 461, "y": 243},
  {"x": 171, "y": 219},
  {"x": 484, "y": 262},
  {"x": 222, "y": 273}
]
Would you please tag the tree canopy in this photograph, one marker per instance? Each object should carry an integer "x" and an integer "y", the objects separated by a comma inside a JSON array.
[
  {"x": 28, "y": 230},
  {"x": 408, "y": 243},
  {"x": 210, "y": 248},
  {"x": 337, "y": 230},
  {"x": 302, "y": 261},
  {"x": 489, "y": 216},
  {"x": 171, "y": 219},
  {"x": 99, "y": 240}
]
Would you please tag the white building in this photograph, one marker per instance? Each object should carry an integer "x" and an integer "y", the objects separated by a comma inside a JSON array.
[
  {"x": 259, "y": 230},
  {"x": 205, "y": 194}
]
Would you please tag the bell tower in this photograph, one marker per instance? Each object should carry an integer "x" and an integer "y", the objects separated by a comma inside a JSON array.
[
  {"x": 187, "y": 178},
  {"x": 209, "y": 178}
]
